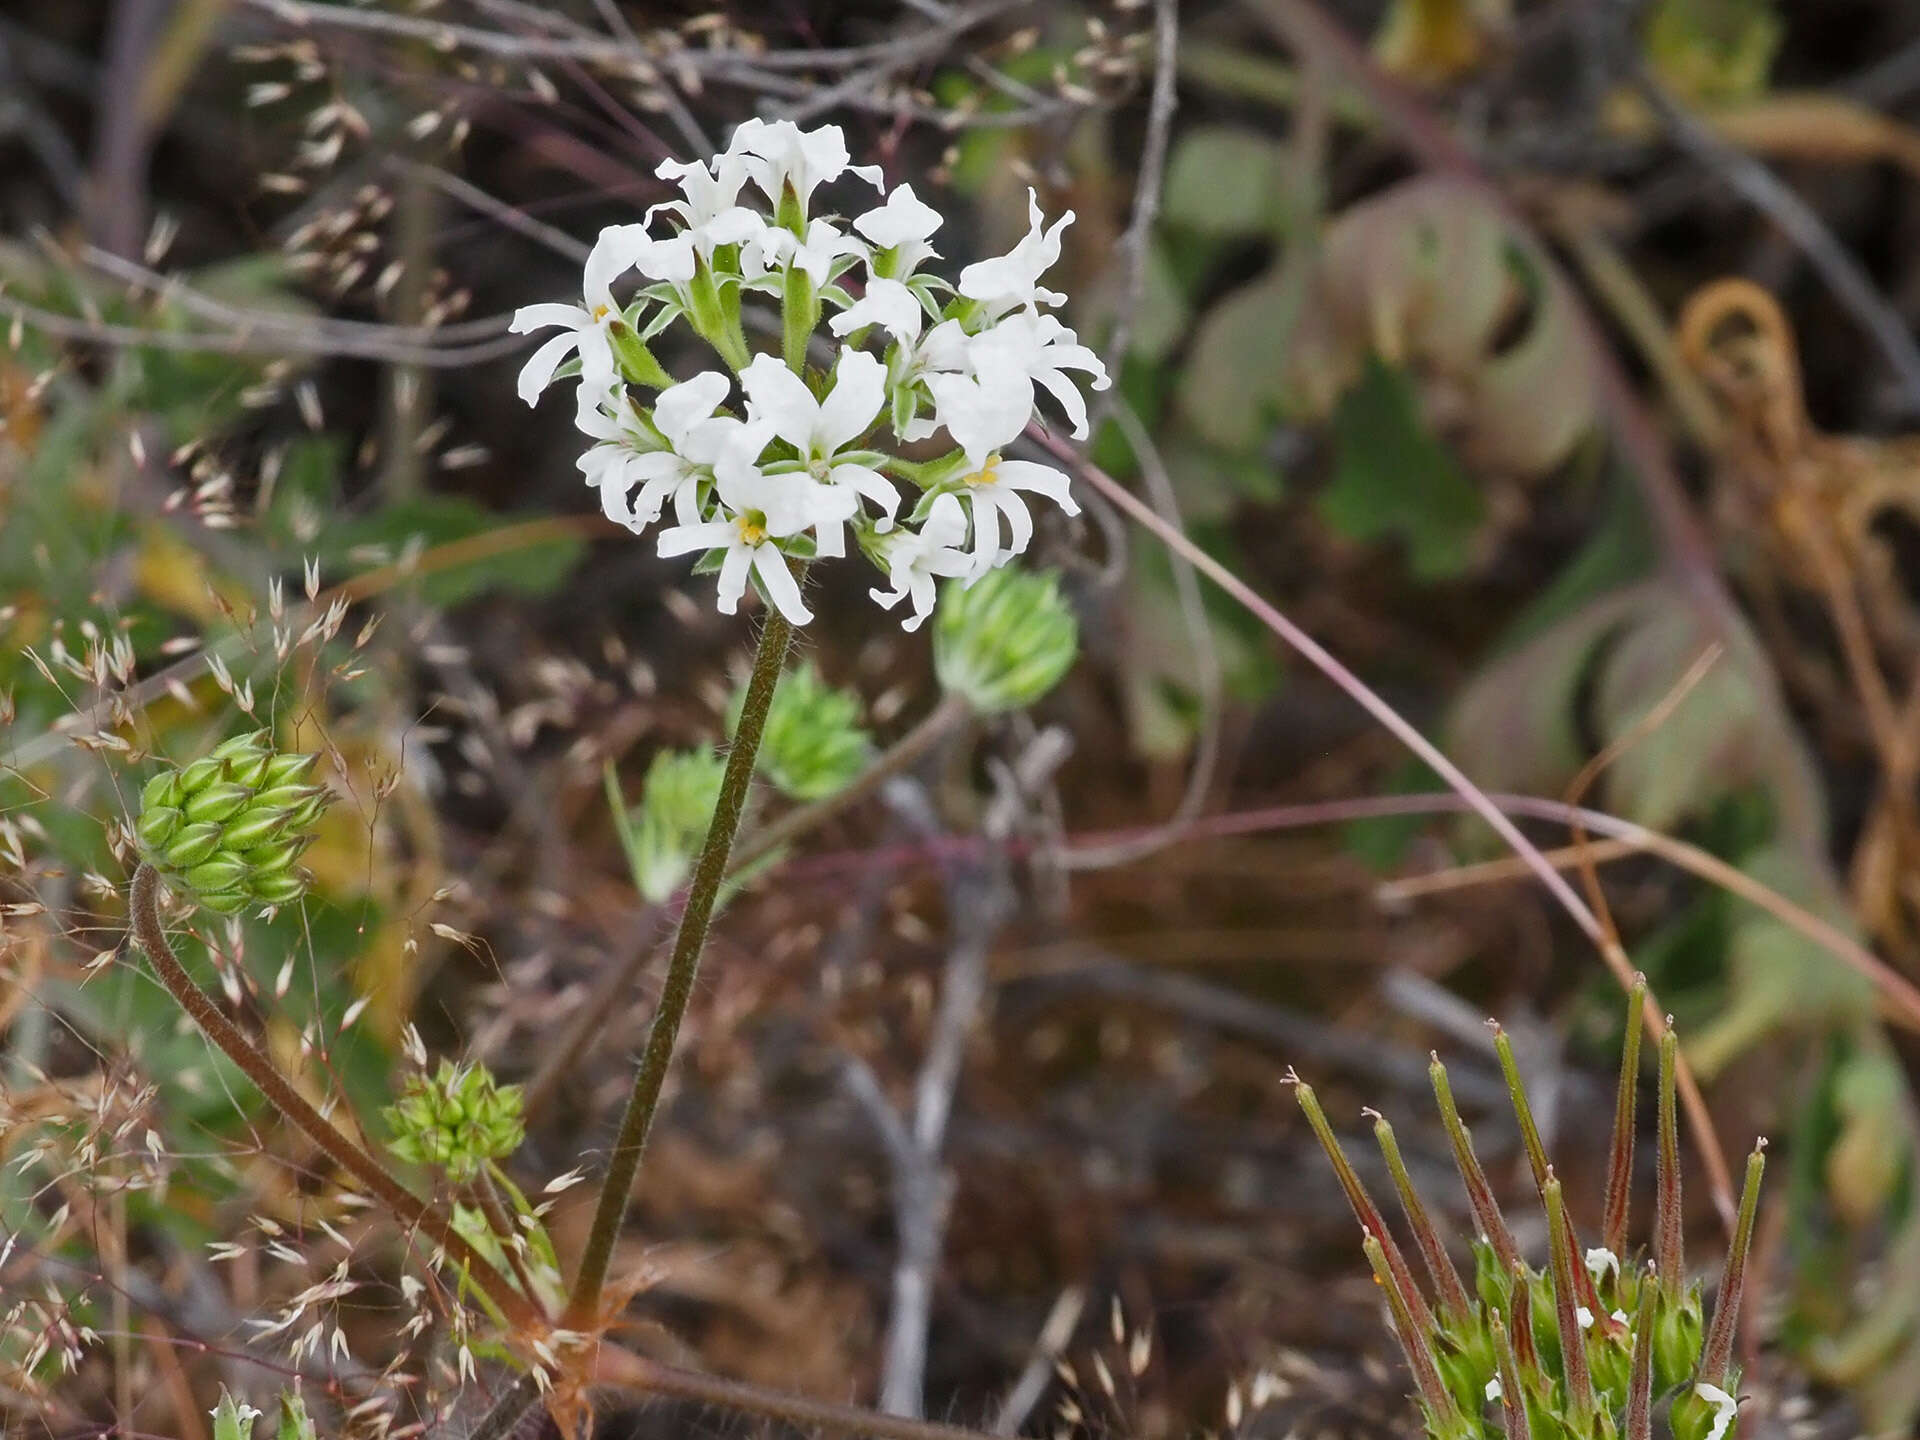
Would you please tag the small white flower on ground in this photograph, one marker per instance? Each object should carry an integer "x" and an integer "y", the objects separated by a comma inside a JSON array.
[
  {"x": 821, "y": 429},
  {"x": 778, "y": 154},
  {"x": 1012, "y": 280},
  {"x": 630, "y": 451},
  {"x": 1600, "y": 1261},
  {"x": 993, "y": 492},
  {"x": 899, "y": 230},
  {"x": 614, "y": 253},
  {"x": 913, "y": 560},
  {"x": 1725, "y": 1407}
]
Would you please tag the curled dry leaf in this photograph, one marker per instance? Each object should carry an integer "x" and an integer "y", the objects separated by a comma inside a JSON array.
[{"x": 1429, "y": 276}]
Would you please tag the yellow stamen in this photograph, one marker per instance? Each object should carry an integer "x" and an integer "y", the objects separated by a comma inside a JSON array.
[
  {"x": 987, "y": 474},
  {"x": 752, "y": 527}
]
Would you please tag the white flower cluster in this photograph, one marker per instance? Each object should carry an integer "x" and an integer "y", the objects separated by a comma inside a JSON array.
[{"x": 801, "y": 463}]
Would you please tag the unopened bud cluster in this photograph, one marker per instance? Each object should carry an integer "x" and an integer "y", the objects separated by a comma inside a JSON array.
[
  {"x": 1585, "y": 1348},
  {"x": 1005, "y": 641},
  {"x": 230, "y": 828},
  {"x": 457, "y": 1120}
]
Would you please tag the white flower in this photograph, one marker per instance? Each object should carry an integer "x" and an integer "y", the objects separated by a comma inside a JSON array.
[
  {"x": 982, "y": 412},
  {"x": 1583, "y": 1316},
  {"x": 779, "y": 154},
  {"x": 630, "y": 451},
  {"x": 757, "y": 511},
  {"x": 913, "y": 560},
  {"x": 899, "y": 229},
  {"x": 993, "y": 492},
  {"x": 1725, "y": 1407},
  {"x": 1600, "y": 1260},
  {"x": 615, "y": 252},
  {"x": 1042, "y": 350},
  {"x": 711, "y": 211},
  {"x": 1495, "y": 1390},
  {"x": 821, "y": 429},
  {"x": 823, "y": 244},
  {"x": 888, "y": 304},
  {"x": 1009, "y": 281}
]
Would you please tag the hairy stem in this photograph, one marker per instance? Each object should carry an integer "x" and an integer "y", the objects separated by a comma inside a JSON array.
[
  {"x": 899, "y": 756},
  {"x": 583, "y": 1305},
  {"x": 144, "y": 905}
]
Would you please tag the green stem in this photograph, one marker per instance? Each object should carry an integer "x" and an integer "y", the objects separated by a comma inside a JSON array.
[
  {"x": 406, "y": 1207},
  {"x": 583, "y": 1306},
  {"x": 899, "y": 756},
  {"x": 799, "y": 314}
]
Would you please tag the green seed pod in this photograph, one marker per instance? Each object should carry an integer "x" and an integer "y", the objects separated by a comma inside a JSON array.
[
  {"x": 229, "y": 827},
  {"x": 1677, "y": 1339},
  {"x": 192, "y": 845},
  {"x": 457, "y": 1119},
  {"x": 1004, "y": 642},
  {"x": 219, "y": 801}
]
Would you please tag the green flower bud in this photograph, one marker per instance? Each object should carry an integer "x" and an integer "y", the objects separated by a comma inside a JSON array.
[
  {"x": 200, "y": 774},
  {"x": 229, "y": 827},
  {"x": 1677, "y": 1332},
  {"x": 458, "y": 1119},
  {"x": 1005, "y": 641},
  {"x": 281, "y": 889},
  {"x": 813, "y": 744},
  {"x": 218, "y": 802},
  {"x": 222, "y": 872},
  {"x": 192, "y": 845},
  {"x": 637, "y": 363},
  {"x": 288, "y": 770},
  {"x": 254, "y": 828},
  {"x": 1704, "y": 1412},
  {"x": 665, "y": 831},
  {"x": 157, "y": 825},
  {"x": 161, "y": 790},
  {"x": 241, "y": 747},
  {"x": 232, "y": 1420}
]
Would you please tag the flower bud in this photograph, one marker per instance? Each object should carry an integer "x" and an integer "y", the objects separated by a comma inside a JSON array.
[
  {"x": 457, "y": 1119},
  {"x": 813, "y": 744},
  {"x": 1005, "y": 641},
  {"x": 229, "y": 827},
  {"x": 666, "y": 829},
  {"x": 1677, "y": 1338}
]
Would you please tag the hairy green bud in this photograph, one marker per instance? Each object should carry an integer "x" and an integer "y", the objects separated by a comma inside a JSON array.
[
  {"x": 457, "y": 1119},
  {"x": 228, "y": 828},
  {"x": 665, "y": 831},
  {"x": 813, "y": 745},
  {"x": 1005, "y": 641}
]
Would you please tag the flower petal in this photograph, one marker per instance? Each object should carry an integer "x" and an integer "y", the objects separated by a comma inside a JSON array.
[
  {"x": 781, "y": 587},
  {"x": 859, "y": 391},
  {"x": 537, "y": 373}
]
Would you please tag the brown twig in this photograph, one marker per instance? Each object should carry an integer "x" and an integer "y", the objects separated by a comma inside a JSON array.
[{"x": 144, "y": 906}]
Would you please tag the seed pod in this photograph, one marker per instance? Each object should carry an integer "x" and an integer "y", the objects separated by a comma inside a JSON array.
[{"x": 229, "y": 827}]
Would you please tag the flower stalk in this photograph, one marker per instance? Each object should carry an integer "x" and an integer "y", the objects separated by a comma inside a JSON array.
[{"x": 683, "y": 968}]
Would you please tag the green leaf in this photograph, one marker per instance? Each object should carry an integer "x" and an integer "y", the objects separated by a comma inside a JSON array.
[
  {"x": 1394, "y": 478},
  {"x": 1226, "y": 181}
]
